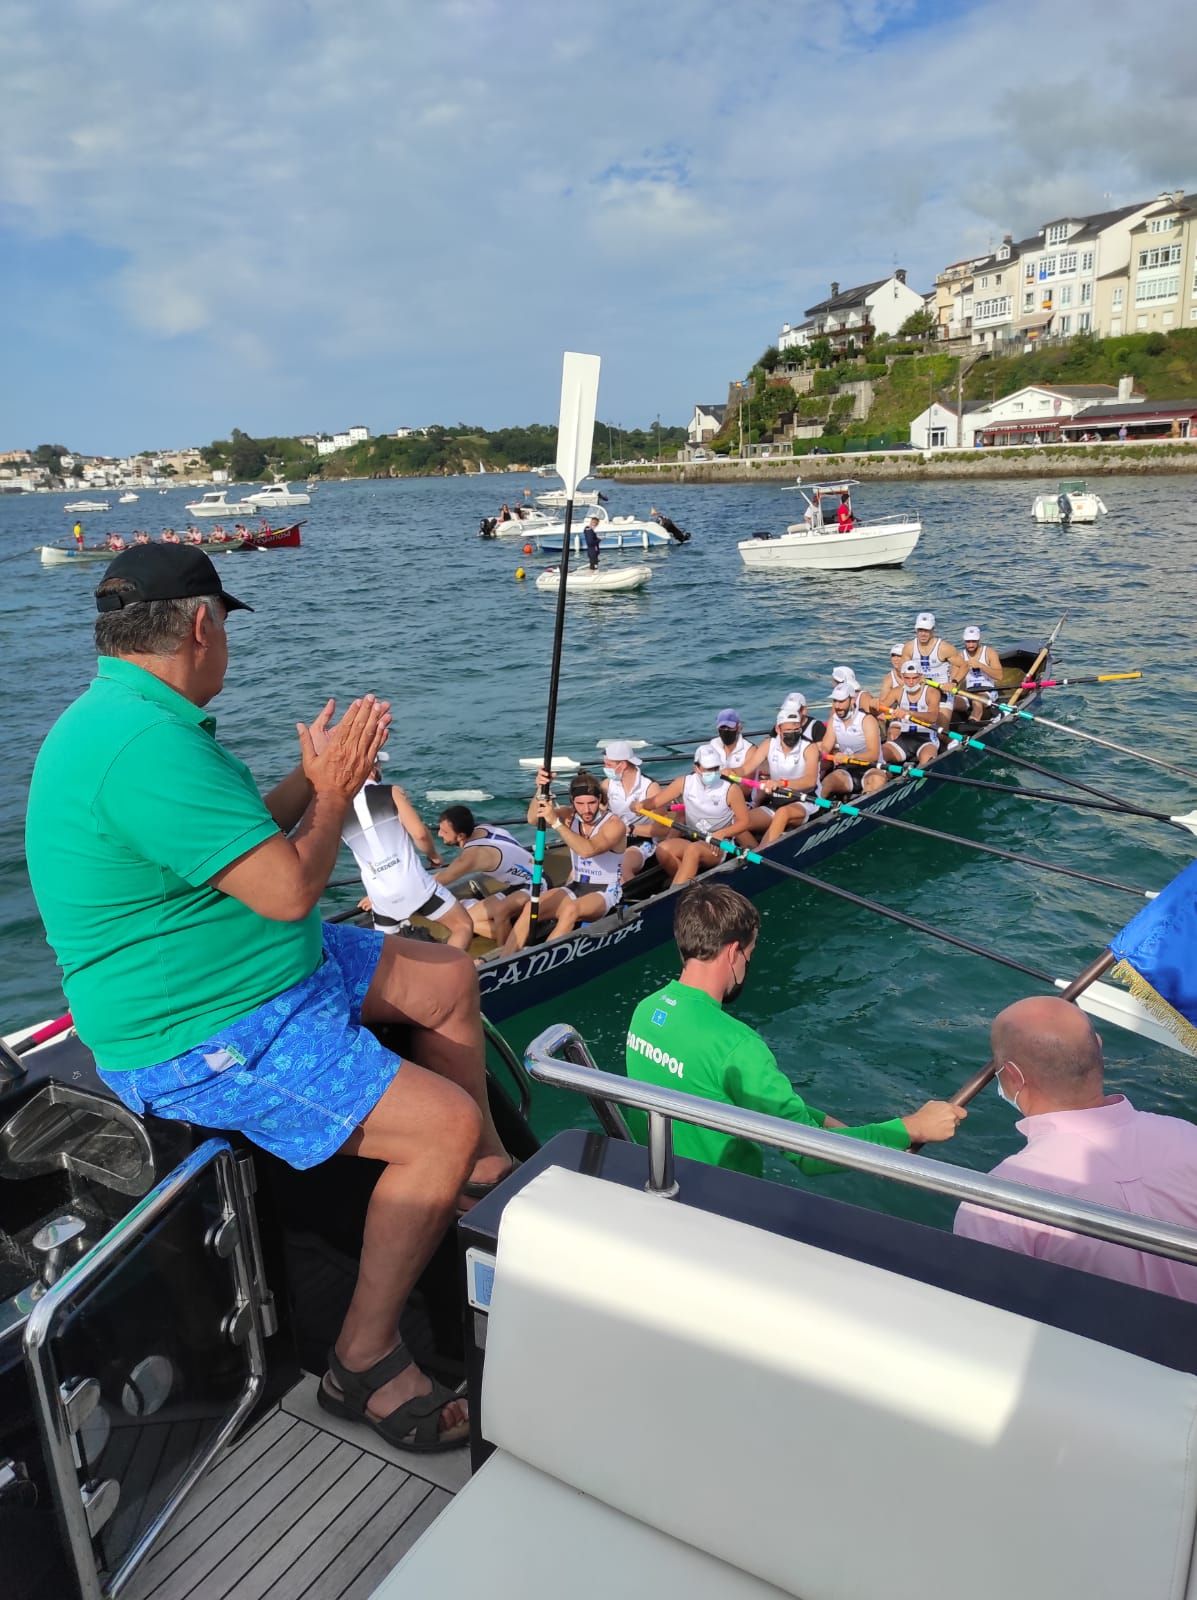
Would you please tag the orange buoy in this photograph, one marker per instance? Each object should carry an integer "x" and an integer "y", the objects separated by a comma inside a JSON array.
[{"x": 527, "y": 549}]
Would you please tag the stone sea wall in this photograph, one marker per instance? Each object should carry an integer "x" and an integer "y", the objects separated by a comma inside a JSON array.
[{"x": 1086, "y": 461}]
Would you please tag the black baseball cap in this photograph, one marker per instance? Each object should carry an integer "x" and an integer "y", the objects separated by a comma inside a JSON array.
[{"x": 164, "y": 572}]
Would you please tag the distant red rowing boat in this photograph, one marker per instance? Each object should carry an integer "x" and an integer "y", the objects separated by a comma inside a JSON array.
[{"x": 269, "y": 539}]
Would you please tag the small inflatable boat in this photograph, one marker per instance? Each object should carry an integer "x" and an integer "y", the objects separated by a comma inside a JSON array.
[{"x": 603, "y": 580}]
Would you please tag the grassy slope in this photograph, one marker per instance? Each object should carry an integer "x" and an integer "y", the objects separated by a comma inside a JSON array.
[{"x": 1167, "y": 373}]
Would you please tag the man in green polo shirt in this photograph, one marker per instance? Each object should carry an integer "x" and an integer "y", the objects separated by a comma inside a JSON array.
[
  {"x": 681, "y": 1038},
  {"x": 182, "y": 908}
]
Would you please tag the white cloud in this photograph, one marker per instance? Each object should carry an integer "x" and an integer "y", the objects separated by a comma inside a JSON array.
[{"x": 397, "y": 186}]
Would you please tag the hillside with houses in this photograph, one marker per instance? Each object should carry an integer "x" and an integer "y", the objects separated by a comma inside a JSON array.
[{"x": 1084, "y": 331}]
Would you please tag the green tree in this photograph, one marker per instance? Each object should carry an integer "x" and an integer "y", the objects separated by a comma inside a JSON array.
[
  {"x": 50, "y": 456},
  {"x": 918, "y": 325},
  {"x": 247, "y": 458},
  {"x": 769, "y": 358},
  {"x": 819, "y": 351}
]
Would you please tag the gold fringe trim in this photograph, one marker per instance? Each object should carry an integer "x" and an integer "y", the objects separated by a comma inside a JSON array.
[{"x": 1156, "y": 1005}]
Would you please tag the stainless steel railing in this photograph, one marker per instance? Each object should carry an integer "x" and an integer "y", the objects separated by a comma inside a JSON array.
[{"x": 546, "y": 1061}]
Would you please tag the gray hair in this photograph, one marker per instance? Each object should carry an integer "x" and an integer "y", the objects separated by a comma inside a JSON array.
[{"x": 149, "y": 627}]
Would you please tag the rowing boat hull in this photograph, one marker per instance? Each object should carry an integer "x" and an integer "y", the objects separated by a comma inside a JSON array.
[{"x": 511, "y": 984}]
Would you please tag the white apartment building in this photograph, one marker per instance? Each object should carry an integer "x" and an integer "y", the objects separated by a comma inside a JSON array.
[
  {"x": 1160, "y": 288},
  {"x": 358, "y": 434},
  {"x": 855, "y": 316}
]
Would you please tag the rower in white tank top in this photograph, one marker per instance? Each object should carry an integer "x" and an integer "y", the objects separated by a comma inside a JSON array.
[
  {"x": 396, "y": 880},
  {"x": 849, "y": 731},
  {"x": 706, "y": 805},
  {"x": 982, "y": 675},
  {"x": 913, "y": 713},
  {"x": 621, "y": 799},
  {"x": 515, "y": 862}
]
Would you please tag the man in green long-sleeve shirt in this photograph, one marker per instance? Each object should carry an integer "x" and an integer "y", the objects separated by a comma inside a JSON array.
[{"x": 681, "y": 1037}]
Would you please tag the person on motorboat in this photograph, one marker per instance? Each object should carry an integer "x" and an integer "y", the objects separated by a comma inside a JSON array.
[
  {"x": 384, "y": 832},
  {"x": 680, "y": 1037},
  {"x": 851, "y": 747},
  {"x": 789, "y": 760},
  {"x": 626, "y": 786},
  {"x": 938, "y": 661},
  {"x": 981, "y": 675},
  {"x": 485, "y": 852},
  {"x": 591, "y": 536},
  {"x": 844, "y": 520},
  {"x": 730, "y": 743},
  {"x": 712, "y": 805},
  {"x": 596, "y": 840},
  {"x": 182, "y": 907},
  {"x": 1085, "y": 1143},
  {"x": 913, "y": 733}
]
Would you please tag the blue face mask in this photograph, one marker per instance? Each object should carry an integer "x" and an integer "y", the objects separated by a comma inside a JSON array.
[
  {"x": 711, "y": 778},
  {"x": 610, "y": 774},
  {"x": 1010, "y": 1100}
]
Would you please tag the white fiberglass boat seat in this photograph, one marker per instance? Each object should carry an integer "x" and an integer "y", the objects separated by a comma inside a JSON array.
[{"x": 686, "y": 1405}]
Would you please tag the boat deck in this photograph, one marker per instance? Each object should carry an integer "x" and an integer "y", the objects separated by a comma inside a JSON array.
[{"x": 304, "y": 1507}]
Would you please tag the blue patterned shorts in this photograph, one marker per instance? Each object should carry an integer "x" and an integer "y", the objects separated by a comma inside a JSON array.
[{"x": 297, "y": 1076}]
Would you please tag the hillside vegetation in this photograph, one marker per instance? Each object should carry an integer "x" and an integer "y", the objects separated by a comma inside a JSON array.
[{"x": 1163, "y": 365}]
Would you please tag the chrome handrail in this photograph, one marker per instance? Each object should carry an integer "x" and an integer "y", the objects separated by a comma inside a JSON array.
[{"x": 544, "y": 1062}]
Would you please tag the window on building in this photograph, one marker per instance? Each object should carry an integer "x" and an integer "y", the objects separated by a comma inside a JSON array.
[
  {"x": 985, "y": 282},
  {"x": 1164, "y": 255},
  {"x": 1084, "y": 322},
  {"x": 1116, "y": 299},
  {"x": 1028, "y": 300},
  {"x": 1063, "y": 324},
  {"x": 1086, "y": 294},
  {"x": 937, "y": 438},
  {"x": 1057, "y": 233},
  {"x": 1068, "y": 262},
  {"x": 1047, "y": 267},
  {"x": 1140, "y": 322},
  {"x": 1167, "y": 318},
  {"x": 1160, "y": 224},
  {"x": 1065, "y": 294},
  {"x": 1086, "y": 261},
  {"x": 1193, "y": 314},
  {"x": 1151, "y": 289}
]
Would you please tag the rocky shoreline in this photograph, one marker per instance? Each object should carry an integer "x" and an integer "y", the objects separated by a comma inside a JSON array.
[{"x": 1088, "y": 461}]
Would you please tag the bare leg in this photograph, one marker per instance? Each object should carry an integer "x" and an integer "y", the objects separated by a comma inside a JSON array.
[
  {"x": 434, "y": 991},
  {"x": 459, "y": 927},
  {"x": 521, "y": 929},
  {"x": 788, "y": 816},
  {"x": 426, "y": 1130},
  {"x": 874, "y": 780},
  {"x": 695, "y": 858}
]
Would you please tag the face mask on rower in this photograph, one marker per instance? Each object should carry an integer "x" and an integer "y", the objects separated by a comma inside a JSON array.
[
  {"x": 1011, "y": 1100},
  {"x": 791, "y": 738},
  {"x": 729, "y": 736},
  {"x": 610, "y": 774},
  {"x": 711, "y": 778}
]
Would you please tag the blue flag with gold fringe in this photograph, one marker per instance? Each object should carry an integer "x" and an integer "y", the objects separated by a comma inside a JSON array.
[{"x": 1157, "y": 956}]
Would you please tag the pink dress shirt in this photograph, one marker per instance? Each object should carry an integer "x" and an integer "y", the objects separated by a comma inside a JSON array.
[{"x": 1111, "y": 1155}]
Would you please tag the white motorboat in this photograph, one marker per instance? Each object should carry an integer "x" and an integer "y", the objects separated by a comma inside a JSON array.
[
  {"x": 1072, "y": 502},
  {"x": 558, "y": 497},
  {"x": 86, "y": 505},
  {"x": 615, "y": 533},
  {"x": 127, "y": 499},
  {"x": 603, "y": 580},
  {"x": 217, "y": 504},
  {"x": 277, "y": 494},
  {"x": 816, "y": 545}
]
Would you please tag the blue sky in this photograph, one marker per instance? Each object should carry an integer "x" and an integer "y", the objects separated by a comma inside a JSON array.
[{"x": 287, "y": 216}]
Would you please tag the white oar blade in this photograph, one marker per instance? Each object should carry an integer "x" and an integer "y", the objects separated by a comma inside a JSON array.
[
  {"x": 468, "y": 796},
  {"x": 1122, "y": 1010},
  {"x": 1187, "y": 819},
  {"x": 636, "y": 744},
  {"x": 575, "y": 427},
  {"x": 560, "y": 763}
]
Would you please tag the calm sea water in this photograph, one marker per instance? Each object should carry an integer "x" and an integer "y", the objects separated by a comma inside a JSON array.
[{"x": 393, "y": 592}]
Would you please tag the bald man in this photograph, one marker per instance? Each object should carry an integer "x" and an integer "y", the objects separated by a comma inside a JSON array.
[{"x": 1084, "y": 1143}]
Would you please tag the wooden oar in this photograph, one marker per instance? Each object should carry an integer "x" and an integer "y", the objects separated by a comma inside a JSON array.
[
  {"x": 1065, "y": 683},
  {"x": 1187, "y": 820},
  {"x": 575, "y": 440},
  {"x": 955, "y": 838},
  {"x": 1112, "y": 1005},
  {"x": 1058, "y": 777},
  {"x": 1093, "y": 738}
]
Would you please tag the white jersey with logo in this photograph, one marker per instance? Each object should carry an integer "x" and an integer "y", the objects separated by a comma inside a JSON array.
[
  {"x": 784, "y": 763},
  {"x": 849, "y": 732},
  {"x": 601, "y": 871},
  {"x": 515, "y": 863},
  {"x": 730, "y": 755},
  {"x": 979, "y": 676},
  {"x": 396, "y": 879},
  {"x": 932, "y": 661},
  {"x": 908, "y": 709},
  {"x": 620, "y": 800},
  {"x": 707, "y": 809}
]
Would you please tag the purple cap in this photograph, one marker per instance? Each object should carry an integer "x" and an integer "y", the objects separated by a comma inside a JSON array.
[{"x": 728, "y": 719}]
